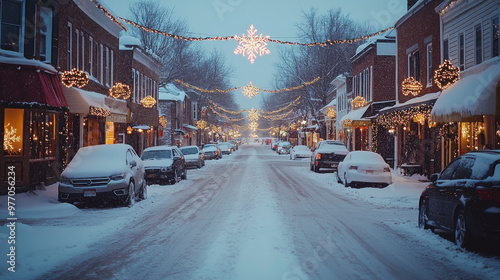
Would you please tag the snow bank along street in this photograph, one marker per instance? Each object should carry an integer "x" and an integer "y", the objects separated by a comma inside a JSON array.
[{"x": 253, "y": 214}]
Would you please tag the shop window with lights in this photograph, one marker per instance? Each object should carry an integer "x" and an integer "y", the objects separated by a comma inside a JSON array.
[
  {"x": 110, "y": 133},
  {"x": 13, "y": 132},
  {"x": 42, "y": 135}
]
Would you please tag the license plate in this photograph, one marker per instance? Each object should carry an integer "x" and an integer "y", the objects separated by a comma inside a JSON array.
[
  {"x": 89, "y": 193},
  {"x": 369, "y": 171},
  {"x": 334, "y": 165},
  {"x": 151, "y": 175}
]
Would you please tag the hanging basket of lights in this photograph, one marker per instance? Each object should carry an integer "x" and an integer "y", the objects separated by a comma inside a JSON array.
[
  {"x": 201, "y": 124},
  {"x": 331, "y": 113},
  {"x": 163, "y": 121},
  {"x": 358, "y": 102},
  {"x": 411, "y": 86},
  {"x": 74, "y": 77},
  {"x": 120, "y": 90},
  {"x": 148, "y": 102},
  {"x": 446, "y": 75}
]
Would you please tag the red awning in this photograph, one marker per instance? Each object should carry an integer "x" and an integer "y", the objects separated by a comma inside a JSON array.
[{"x": 28, "y": 84}]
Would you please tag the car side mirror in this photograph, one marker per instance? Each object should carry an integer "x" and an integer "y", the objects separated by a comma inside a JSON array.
[
  {"x": 434, "y": 177},
  {"x": 133, "y": 163},
  {"x": 177, "y": 157}
]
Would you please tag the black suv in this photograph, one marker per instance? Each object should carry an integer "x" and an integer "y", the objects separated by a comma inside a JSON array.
[
  {"x": 163, "y": 164},
  {"x": 328, "y": 154},
  {"x": 465, "y": 198}
]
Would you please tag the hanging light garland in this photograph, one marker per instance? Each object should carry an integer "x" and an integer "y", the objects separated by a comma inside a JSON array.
[
  {"x": 446, "y": 75},
  {"x": 225, "y": 117},
  {"x": 411, "y": 86},
  {"x": 331, "y": 113},
  {"x": 225, "y": 110},
  {"x": 419, "y": 113},
  {"x": 358, "y": 102},
  {"x": 252, "y": 44},
  {"x": 99, "y": 112},
  {"x": 120, "y": 90},
  {"x": 74, "y": 77},
  {"x": 148, "y": 102},
  {"x": 295, "y": 102},
  {"x": 201, "y": 124}
]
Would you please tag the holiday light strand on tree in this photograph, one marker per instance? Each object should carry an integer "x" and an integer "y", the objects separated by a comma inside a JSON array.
[{"x": 446, "y": 75}]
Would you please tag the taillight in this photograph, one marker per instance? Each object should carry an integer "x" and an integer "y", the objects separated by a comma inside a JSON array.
[
  {"x": 353, "y": 167},
  {"x": 387, "y": 169},
  {"x": 489, "y": 194},
  {"x": 318, "y": 156}
]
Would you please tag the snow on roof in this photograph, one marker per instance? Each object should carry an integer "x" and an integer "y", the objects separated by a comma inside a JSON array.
[
  {"x": 128, "y": 42},
  {"x": 332, "y": 103},
  {"x": 409, "y": 13},
  {"x": 15, "y": 58},
  {"x": 414, "y": 101},
  {"x": 172, "y": 93},
  {"x": 473, "y": 95},
  {"x": 390, "y": 34},
  {"x": 356, "y": 115}
]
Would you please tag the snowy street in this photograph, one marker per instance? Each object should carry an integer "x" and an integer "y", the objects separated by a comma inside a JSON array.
[{"x": 252, "y": 215}]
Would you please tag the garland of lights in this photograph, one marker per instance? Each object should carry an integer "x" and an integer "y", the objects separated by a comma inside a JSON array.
[
  {"x": 415, "y": 113},
  {"x": 201, "y": 124},
  {"x": 148, "y": 101},
  {"x": 449, "y": 6},
  {"x": 250, "y": 90},
  {"x": 250, "y": 84},
  {"x": 162, "y": 120},
  {"x": 74, "y": 77},
  {"x": 225, "y": 117},
  {"x": 446, "y": 75},
  {"x": 99, "y": 112},
  {"x": 358, "y": 102},
  {"x": 225, "y": 110},
  {"x": 282, "y": 109},
  {"x": 277, "y": 118},
  {"x": 331, "y": 113},
  {"x": 411, "y": 86},
  {"x": 120, "y": 90}
]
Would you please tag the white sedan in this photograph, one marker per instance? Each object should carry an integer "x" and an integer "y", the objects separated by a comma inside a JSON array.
[
  {"x": 364, "y": 168},
  {"x": 300, "y": 151}
]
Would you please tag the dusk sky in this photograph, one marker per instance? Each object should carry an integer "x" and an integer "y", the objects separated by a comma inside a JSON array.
[{"x": 277, "y": 18}]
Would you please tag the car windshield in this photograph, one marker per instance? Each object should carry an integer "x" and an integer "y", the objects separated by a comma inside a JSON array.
[
  {"x": 156, "y": 154},
  {"x": 189, "y": 151}
]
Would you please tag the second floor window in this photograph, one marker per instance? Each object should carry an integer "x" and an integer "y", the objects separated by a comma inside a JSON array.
[
  {"x": 479, "y": 44},
  {"x": 446, "y": 50},
  {"x": 430, "y": 71},
  {"x": 45, "y": 34},
  {"x": 496, "y": 37},
  {"x": 414, "y": 65},
  {"x": 11, "y": 25},
  {"x": 461, "y": 51},
  {"x": 70, "y": 46}
]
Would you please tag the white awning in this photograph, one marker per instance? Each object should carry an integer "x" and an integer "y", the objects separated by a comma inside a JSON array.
[
  {"x": 470, "y": 97},
  {"x": 190, "y": 127},
  {"x": 356, "y": 115}
]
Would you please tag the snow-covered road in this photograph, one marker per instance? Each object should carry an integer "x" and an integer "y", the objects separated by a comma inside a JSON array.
[{"x": 252, "y": 215}]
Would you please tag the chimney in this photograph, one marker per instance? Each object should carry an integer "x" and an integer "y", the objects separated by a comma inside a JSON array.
[{"x": 411, "y": 3}]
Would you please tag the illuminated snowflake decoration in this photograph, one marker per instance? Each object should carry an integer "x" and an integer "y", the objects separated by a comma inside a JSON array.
[
  {"x": 9, "y": 138},
  {"x": 253, "y": 126},
  {"x": 253, "y": 116},
  {"x": 252, "y": 44},
  {"x": 250, "y": 90}
]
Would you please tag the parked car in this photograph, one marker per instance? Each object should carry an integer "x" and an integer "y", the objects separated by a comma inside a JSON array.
[
  {"x": 212, "y": 151},
  {"x": 465, "y": 198},
  {"x": 193, "y": 156},
  {"x": 284, "y": 147},
  {"x": 300, "y": 151},
  {"x": 234, "y": 144},
  {"x": 104, "y": 172},
  {"x": 274, "y": 144},
  {"x": 364, "y": 168},
  {"x": 164, "y": 164},
  {"x": 327, "y": 154},
  {"x": 225, "y": 148}
]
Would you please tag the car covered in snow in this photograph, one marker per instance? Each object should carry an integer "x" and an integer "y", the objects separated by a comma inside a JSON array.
[
  {"x": 225, "y": 148},
  {"x": 103, "y": 172},
  {"x": 164, "y": 164},
  {"x": 327, "y": 154},
  {"x": 465, "y": 198},
  {"x": 364, "y": 168},
  {"x": 300, "y": 151},
  {"x": 211, "y": 151},
  {"x": 284, "y": 147},
  {"x": 193, "y": 156}
]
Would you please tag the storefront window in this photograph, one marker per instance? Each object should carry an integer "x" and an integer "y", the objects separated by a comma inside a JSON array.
[
  {"x": 42, "y": 135},
  {"x": 91, "y": 132},
  {"x": 110, "y": 133},
  {"x": 13, "y": 132}
]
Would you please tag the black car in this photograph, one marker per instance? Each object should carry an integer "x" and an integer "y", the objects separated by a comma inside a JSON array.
[
  {"x": 163, "y": 164},
  {"x": 327, "y": 154},
  {"x": 465, "y": 198}
]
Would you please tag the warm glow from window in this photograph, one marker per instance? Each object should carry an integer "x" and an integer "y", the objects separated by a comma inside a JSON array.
[{"x": 13, "y": 131}]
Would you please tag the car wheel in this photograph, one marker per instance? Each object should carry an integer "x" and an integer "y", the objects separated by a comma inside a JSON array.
[
  {"x": 461, "y": 235},
  {"x": 184, "y": 174},
  {"x": 144, "y": 192},
  {"x": 316, "y": 168},
  {"x": 311, "y": 167},
  {"x": 130, "y": 201},
  {"x": 346, "y": 184},
  {"x": 422, "y": 215}
]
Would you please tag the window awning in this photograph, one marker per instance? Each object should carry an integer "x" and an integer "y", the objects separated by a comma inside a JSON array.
[
  {"x": 356, "y": 118},
  {"x": 29, "y": 84},
  {"x": 190, "y": 127},
  {"x": 428, "y": 99},
  {"x": 80, "y": 101},
  {"x": 470, "y": 97}
]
